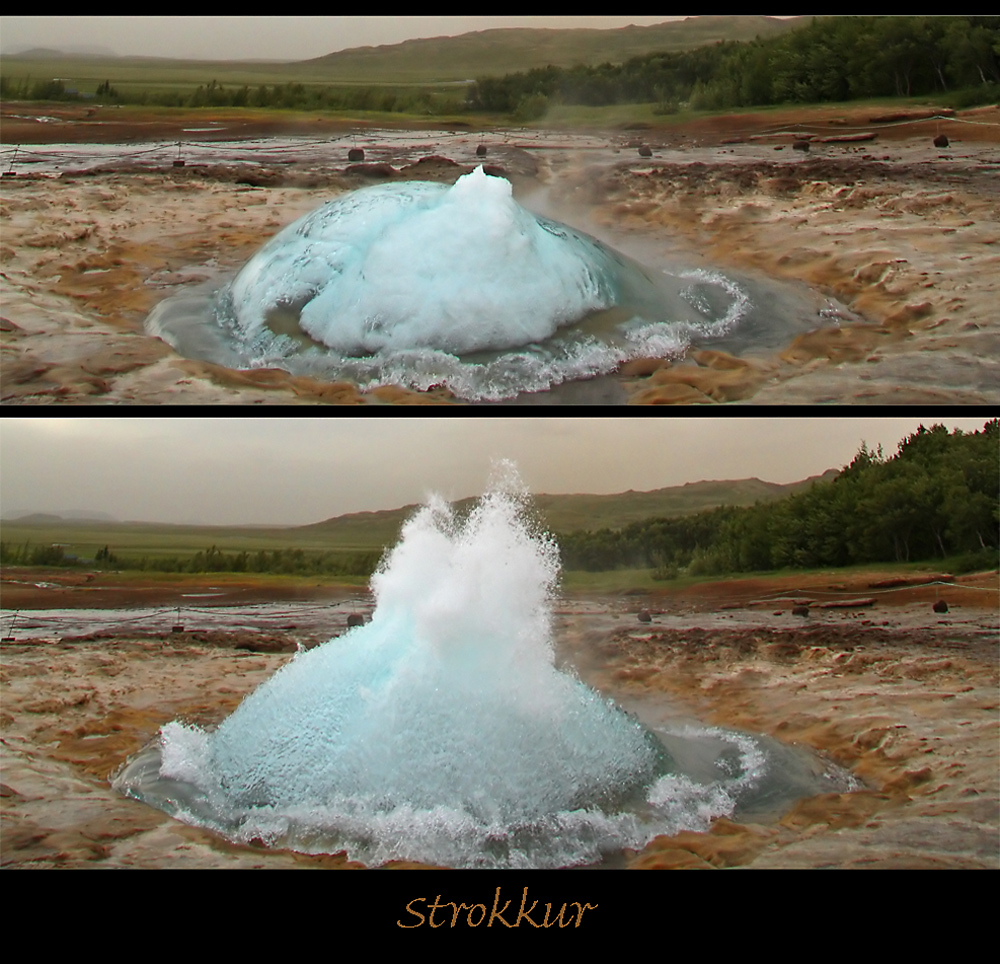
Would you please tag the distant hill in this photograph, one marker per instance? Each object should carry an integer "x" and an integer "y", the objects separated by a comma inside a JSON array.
[
  {"x": 64, "y": 515},
  {"x": 51, "y": 53},
  {"x": 89, "y": 531},
  {"x": 506, "y": 50},
  {"x": 564, "y": 514}
]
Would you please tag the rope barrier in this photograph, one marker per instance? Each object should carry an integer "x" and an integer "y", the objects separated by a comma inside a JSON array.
[
  {"x": 297, "y": 148},
  {"x": 226, "y": 611},
  {"x": 119, "y": 619},
  {"x": 796, "y": 128},
  {"x": 870, "y": 592},
  {"x": 74, "y": 155},
  {"x": 258, "y": 615},
  {"x": 220, "y": 611},
  {"x": 236, "y": 148}
]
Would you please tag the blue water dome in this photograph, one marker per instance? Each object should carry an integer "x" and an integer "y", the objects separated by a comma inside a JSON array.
[
  {"x": 422, "y": 284},
  {"x": 459, "y": 268}
]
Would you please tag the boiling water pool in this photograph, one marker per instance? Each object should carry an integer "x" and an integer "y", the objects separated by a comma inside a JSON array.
[
  {"x": 422, "y": 284},
  {"x": 442, "y": 731}
]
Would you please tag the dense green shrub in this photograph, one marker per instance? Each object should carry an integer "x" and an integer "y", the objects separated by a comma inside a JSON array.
[{"x": 937, "y": 497}]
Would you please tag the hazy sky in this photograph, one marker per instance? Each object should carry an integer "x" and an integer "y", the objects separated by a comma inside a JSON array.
[
  {"x": 297, "y": 470},
  {"x": 236, "y": 38}
]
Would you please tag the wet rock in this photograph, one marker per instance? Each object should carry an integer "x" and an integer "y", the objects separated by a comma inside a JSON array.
[
  {"x": 800, "y": 611},
  {"x": 716, "y": 377},
  {"x": 372, "y": 170},
  {"x": 435, "y": 167},
  {"x": 394, "y": 395},
  {"x": 355, "y": 620},
  {"x": 837, "y": 344},
  {"x": 727, "y": 844},
  {"x": 848, "y": 604},
  {"x": 940, "y": 606},
  {"x": 266, "y": 643},
  {"x": 355, "y": 154},
  {"x": 670, "y": 395},
  {"x": 644, "y": 616},
  {"x": 941, "y": 141},
  {"x": 641, "y": 367},
  {"x": 908, "y": 315},
  {"x": 481, "y": 151},
  {"x": 912, "y": 115},
  {"x": 261, "y": 178},
  {"x": 645, "y": 151}
]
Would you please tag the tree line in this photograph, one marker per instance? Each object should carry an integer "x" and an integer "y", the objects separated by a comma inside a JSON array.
[
  {"x": 277, "y": 561},
  {"x": 290, "y": 96},
  {"x": 936, "y": 497},
  {"x": 831, "y": 59}
]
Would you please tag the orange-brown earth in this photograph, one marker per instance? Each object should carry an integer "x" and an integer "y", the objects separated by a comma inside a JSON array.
[
  {"x": 81, "y": 124},
  {"x": 28, "y": 588},
  {"x": 905, "y": 697},
  {"x": 902, "y": 234}
]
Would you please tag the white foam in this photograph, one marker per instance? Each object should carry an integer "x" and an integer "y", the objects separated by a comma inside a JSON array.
[
  {"x": 420, "y": 284},
  {"x": 442, "y": 726},
  {"x": 420, "y": 265}
]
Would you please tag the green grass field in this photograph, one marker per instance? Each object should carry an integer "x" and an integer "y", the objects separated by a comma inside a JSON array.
[{"x": 152, "y": 540}]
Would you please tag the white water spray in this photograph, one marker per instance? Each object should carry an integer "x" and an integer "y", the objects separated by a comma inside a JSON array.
[{"x": 441, "y": 731}]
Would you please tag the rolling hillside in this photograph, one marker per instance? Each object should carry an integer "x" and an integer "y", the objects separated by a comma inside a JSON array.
[
  {"x": 573, "y": 513},
  {"x": 501, "y": 51},
  {"x": 363, "y": 531}
]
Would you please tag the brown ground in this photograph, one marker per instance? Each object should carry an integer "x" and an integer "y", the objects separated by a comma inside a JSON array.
[
  {"x": 901, "y": 234},
  {"x": 905, "y": 697},
  {"x": 28, "y": 588},
  {"x": 888, "y": 588},
  {"x": 79, "y": 124},
  {"x": 21, "y": 589}
]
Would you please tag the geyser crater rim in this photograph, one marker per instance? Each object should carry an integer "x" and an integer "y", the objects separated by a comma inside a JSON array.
[{"x": 441, "y": 342}]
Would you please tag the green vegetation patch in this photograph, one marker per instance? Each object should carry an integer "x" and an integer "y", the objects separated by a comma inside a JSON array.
[{"x": 936, "y": 498}]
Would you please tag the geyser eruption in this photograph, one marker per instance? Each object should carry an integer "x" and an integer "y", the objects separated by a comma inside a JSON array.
[
  {"x": 418, "y": 283},
  {"x": 442, "y": 731},
  {"x": 447, "y": 699}
]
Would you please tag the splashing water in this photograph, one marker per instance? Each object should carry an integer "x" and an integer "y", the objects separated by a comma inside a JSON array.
[
  {"x": 418, "y": 283},
  {"x": 441, "y": 731}
]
